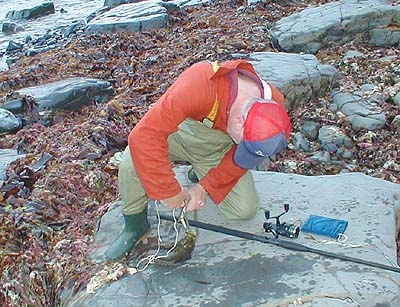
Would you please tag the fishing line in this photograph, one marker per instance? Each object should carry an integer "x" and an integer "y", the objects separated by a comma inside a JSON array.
[{"x": 152, "y": 258}]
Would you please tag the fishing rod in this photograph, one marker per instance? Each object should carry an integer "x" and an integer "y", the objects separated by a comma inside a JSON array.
[{"x": 281, "y": 243}]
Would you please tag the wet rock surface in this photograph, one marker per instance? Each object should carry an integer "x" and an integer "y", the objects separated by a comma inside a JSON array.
[
  {"x": 52, "y": 198},
  {"x": 337, "y": 23},
  {"x": 228, "y": 271},
  {"x": 300, "y": 77},
  {"x": 37, "y": 11},
  {"x": 133, "y": 17},
  {"x": 68, "y": 94},
  {"x": 360, "y": 112},
  {"x": 8, "y": 121}
]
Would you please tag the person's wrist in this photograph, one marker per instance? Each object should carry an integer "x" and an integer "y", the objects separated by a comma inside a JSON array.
[{"x": 204, "y": 190}]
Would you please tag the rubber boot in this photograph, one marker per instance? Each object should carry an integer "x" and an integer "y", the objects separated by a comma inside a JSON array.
[
  {"x": 136, "y": 228},
  {"x": 192, "y": 176}
]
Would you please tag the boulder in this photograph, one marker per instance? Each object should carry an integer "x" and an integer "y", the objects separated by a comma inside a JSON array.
[
  {"x": 332, "y": 138},
  {"x": 300, "y": 77},
  {"x": 68, "y": 94},
  {"x": 43, "y": 9},
  {"x": 132, "y": 17},
  {"x": 228, "y": 271},
  {"x": 336, "y": 23},
  {"x": 114, "y": 3},
  {"x": 385, "y": 37},
  {"x": 14, "y": 46},
  {"x": 396, "y": 99},
  {"x": 7, "y": 156},
  {"x": 361, "y": 112},
  {"x": 11, "y": 27},
  {"x": 8, "y": 121}
]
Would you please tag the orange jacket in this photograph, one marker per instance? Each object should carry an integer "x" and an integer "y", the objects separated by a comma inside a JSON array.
[{"x": 192, "y": 95}]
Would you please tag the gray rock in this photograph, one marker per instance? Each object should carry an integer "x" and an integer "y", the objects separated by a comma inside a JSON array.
[
  {"x": 272, "y": 275},
  {"x": 369, "y": 87},
  {"x": 332, "y": 138},
  {"x": 335, "y": 23},
  {"x": 361, "y": 113},
  {"x": 344, "y": 153},
  {"x": 7, "y": 156},
  {"x": 385, "y": 37},
  {"x": 396, "y": 121},
  {"x": 127, "y": 291},
  {"x": 396, "y": 99},
  {"x": 11, "y": 27},
  {"x": 114, "y": 3},
  {"x": 14, "y": 46},
  {"x": 8, "y": 122},
  {"x": 68, "y": 94},
  {"x": 3, "y": 63},
  {"x": 300, "y": 77},
  {"x": 321, "y": 156},
  {"x": 43, "y": 9},
  {"x": 131, "y": 17},
  {"x": 351, "y": 54},
  {"x": 112, "y": 222},
  {"x": 310, "y": 130},
  {"x": 300, "y": 142}
]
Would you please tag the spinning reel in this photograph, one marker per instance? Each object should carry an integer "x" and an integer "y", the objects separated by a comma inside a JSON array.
[{"x": 283, "y": 229}]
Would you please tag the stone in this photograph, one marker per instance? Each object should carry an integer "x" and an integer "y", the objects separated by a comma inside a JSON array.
[
  {"x": 396, "y": 121},
  {"x": 336, "y": 23},
  {"x": 8, "y": 121},
  {"x": 11, "y": 27},
  {"x": 386, "y": 37},
  {"x": 332, "y": 137},
  {"x": 396, "y": 99},
  {"x": 68, "y": 94},
  {"x": 114, "y": 3},
  {"x": 133, "y": 17},
  {"x": 321, "y": 157},
  {"x": 43, "y": 9},
  {"x": 7, "y": 156},
  {"x": 351, "y": 54},
  {"x": 310, "y": 130},
  {"x": 300, "y": 77},
  {"x": 229, "y": 271},
  {"x": 300, "y": 142},
  {"x": 14, "y": 46},
  {"x": 360, "y": 112}
]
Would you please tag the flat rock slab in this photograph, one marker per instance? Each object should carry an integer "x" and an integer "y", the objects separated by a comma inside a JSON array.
[
  {"x": 360, "y": 112},
  {"x": 131, "y": 17},
  {"x": 138, "y": 16},
  {"x": 8, "y": 121},
  {"x": 228, "y": 271},
  {"x": 337, "y": 23},
  {"x": 300, "y": 77},
  {"x": 43, "y": 9},
  {"x": 68, "y": 94},
  {"x": 7, "y": 156}
]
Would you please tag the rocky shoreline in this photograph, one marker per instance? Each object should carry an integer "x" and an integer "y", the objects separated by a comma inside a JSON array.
[{"x": 342, "y": 88}]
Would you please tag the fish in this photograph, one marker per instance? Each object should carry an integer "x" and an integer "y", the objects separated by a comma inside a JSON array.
[{"x": 182, "y": 251}]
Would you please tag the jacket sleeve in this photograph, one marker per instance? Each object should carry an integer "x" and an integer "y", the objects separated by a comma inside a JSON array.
[{"x": 190, "y": 96}]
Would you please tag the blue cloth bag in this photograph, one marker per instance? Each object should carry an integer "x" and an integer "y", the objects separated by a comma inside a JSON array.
[{"x": 325, "y": 226}]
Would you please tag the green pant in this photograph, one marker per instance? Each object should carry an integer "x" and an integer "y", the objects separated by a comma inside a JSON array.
[{"x": 203, "y": 148}]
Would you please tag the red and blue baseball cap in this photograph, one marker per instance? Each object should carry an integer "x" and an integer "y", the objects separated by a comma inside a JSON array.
[{"x": 266, "y": 132}]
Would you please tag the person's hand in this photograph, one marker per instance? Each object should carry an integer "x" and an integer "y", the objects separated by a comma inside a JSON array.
[
  {"x": 198, "y": 198},
  {"x": 177, "y": 201}
]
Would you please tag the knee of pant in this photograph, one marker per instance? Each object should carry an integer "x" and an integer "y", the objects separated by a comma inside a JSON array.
[{"x": 247, "y": 212}]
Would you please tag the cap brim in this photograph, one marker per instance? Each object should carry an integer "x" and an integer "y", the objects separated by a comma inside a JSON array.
[
  {"x": 245, "y": 155},
  {"x": 245, "y": 159}
]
